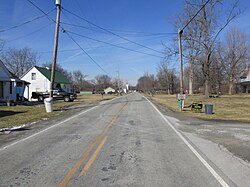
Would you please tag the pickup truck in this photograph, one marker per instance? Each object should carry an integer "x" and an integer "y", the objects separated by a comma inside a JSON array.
[{"x": 58, "y": 94}]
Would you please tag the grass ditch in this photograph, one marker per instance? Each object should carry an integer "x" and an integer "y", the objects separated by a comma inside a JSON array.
[
  {"x": 22, "y": 114},
  {"x": 225, "y": 107}
]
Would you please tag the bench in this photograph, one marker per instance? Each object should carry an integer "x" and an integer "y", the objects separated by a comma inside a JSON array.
[{"x": 196, "y": 106}]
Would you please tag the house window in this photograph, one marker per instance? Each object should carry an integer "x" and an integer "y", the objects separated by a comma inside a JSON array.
[{"x": 33, "y": 76}]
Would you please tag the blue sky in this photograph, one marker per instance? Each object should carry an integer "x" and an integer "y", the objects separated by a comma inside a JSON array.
[{"x": 142, "y": 21}]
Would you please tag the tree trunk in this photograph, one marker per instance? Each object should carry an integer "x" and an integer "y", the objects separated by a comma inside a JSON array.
[
  {"x": 207, "y": 87},
  {"x": 191, "y": 75},
  {"x": 230, "y": 91},
  {"x": 207, "y": 74}
]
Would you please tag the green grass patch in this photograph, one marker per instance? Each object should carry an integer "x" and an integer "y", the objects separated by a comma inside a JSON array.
[{"x": 226, "y": 107}]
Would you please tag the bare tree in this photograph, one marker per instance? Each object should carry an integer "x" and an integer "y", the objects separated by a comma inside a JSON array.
[
  {"x": 236, "y": 55},
  {"x": 79, "y": 79},
  {"x": 192, "y": 38},
  {"x": 166, "y": 77},
  {"x": 102, "y": 82},
  {"x": 18, "y": 61},
  {"x": 212, "y": 27},
  {"x": 218, "y": 69},
  {"x": 201, "y": 35},
  {"x": 146, "y": 83}
]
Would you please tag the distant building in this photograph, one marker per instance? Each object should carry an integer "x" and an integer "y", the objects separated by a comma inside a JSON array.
[
  {"x": 245, "y": 80},
  {"x": 109, "y": 90},
  {"x": 40, "y": 79}
]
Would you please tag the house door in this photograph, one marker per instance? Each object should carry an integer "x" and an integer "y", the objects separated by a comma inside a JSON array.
[{"x": 1, "y": 89}]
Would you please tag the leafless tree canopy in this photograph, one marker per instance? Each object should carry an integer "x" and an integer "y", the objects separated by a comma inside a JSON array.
[
  {"x": 146, "y": 83},
  {"x": 18, "y": 61},
  {"x": 200, "y": 38},
  {"x": 102, "y": 82},
  {"x": 166, "y": 78},
  {"x": 236, "y": 53}
]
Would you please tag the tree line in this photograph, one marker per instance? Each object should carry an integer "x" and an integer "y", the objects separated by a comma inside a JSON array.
[
  {"x": 19, "y": 61},
  {"x": 211, "y": 65}
]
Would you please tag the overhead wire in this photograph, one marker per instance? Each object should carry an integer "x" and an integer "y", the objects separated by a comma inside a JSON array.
[
  {"x": 85, "y": 51},
  {"x": 26, "y": 22},
  {"x": 29, "y": 34},
  {"x": 91, "y": 27},
  {"x": 121, "y": 47},
  {"x": 195, "y": 15},
  {"x": 149, "y": 48},
  {"x": 127, "y": 33},
  {"x": 37, "y": 7}
]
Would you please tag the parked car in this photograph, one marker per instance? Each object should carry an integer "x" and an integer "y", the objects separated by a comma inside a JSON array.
[{"x": 58, "y": 94}]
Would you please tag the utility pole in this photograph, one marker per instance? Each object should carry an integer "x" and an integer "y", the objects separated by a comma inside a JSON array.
[
  {"x": 180, "y": 31},
  {"x": 181, "y": 99},
  {"x": 118, "y": 81},
  {"x": 58, "y": 7}
]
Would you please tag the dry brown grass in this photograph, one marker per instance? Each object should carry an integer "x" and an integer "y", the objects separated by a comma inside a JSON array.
[
  {"x": 226, "y": 107},
  {"x": 21, "y": 114}
]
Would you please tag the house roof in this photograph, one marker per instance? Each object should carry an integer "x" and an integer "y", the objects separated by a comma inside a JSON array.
[
  {"x": 109, "y": 88},
  {"x": 9, "y": 76},
  {"x": 59, "y": 77}
]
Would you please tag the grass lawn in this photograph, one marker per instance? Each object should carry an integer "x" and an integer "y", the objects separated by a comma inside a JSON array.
[
  {"x": 22, "y": 114},
  {"x": 226, "y": 107}
]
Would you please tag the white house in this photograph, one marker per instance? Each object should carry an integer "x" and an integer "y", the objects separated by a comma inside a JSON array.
[
  {"x": 109, "y": 90},
  {"x": 39, "y": 79},
  {"x": 245, "y": 80},
  {"x": 11, "y": 87}
]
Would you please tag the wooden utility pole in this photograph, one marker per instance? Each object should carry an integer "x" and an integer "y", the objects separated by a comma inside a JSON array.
[
  {"x": 180, "y": 31},
  {"x": 118, "y": 81},
  {"x": 181, "y": 96},
  {"x": 58, "y": 7}
]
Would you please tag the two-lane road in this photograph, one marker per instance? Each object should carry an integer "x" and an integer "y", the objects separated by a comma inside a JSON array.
[{"x": 123, "y": 142}]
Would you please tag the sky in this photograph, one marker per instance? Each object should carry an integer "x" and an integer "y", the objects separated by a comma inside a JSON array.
[{"x": 125, "y": 36}]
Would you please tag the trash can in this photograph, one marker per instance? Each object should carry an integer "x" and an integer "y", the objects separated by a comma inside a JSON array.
[
  {"x": 179, "y": 103},
  {"x": 208, "y": 108},
  {"x": 48, "y": 104}
]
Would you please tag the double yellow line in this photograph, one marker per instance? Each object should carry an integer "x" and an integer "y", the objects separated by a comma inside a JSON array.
[{"x": 75, "y": 168}]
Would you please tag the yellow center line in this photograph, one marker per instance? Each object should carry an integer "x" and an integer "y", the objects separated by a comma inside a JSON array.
[
  {"x": 74, "y": 169},
  {"x": 93, "y": 157}
]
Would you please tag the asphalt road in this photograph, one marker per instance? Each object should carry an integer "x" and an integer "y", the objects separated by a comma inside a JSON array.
[{"x": 123, "y": 142}]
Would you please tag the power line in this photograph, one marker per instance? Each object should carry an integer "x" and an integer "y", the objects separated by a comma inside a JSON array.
[
  {"x": 195, "y": 15},
  {"x": 121, "y": 47},
  {"x": 84, "y": 51},
  {"x": 29, "y": 34},
  {"x": 65, "y": 50},
  {"x": 112, "y": 32},
  {"x": 140, "y": 32},
  {"x": 68, "y": 36},
  {"x": 26, "y": 22},
  {"x": 37, "y": 7},
  {"x": 129, "y": 33}
]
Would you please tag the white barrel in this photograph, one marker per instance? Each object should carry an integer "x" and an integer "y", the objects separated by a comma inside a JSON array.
[{"x": 48, "y": 104}]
